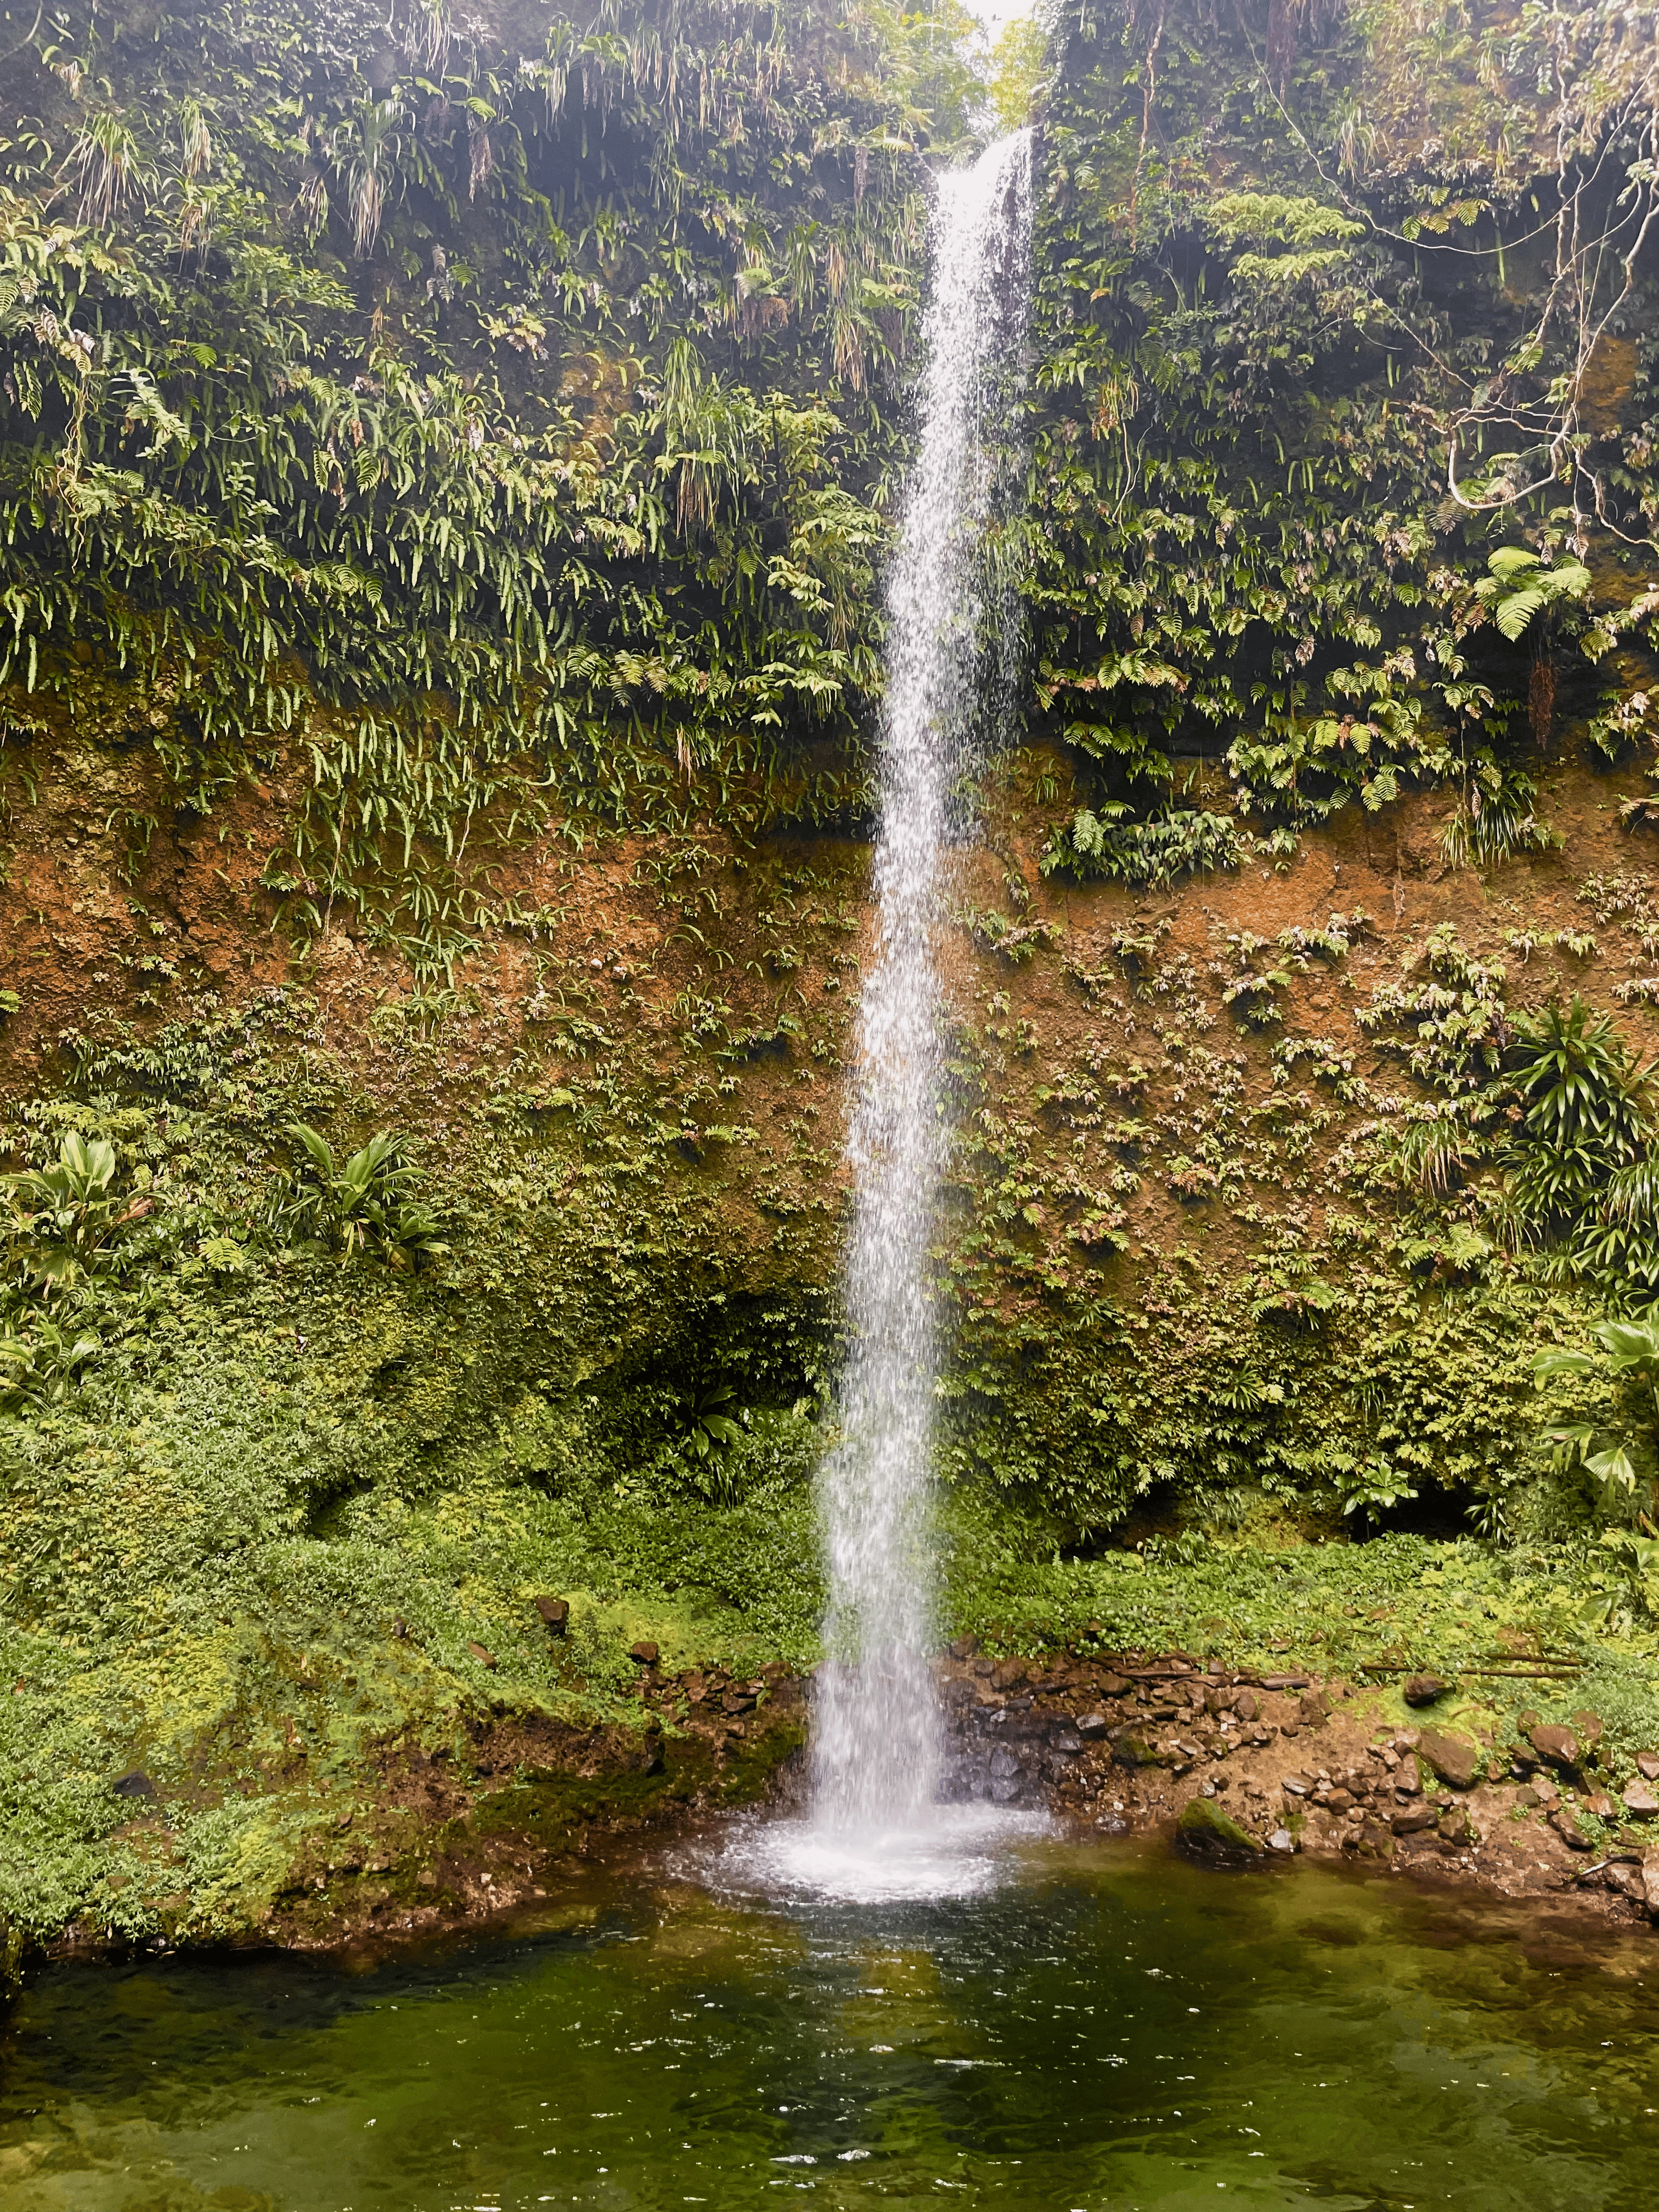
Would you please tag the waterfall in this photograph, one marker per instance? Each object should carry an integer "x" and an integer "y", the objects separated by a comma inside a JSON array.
[{"x": 876, "y": 1745}]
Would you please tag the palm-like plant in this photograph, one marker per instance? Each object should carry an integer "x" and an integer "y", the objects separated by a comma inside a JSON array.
[
  {"x": 1585, "y": 1112},
  {"x": 1521, "y": 590},
  {"x": 1519, "y": 586},
  {"x": 712, "y": 1430},
  {"x": 372, "y": 1196}
]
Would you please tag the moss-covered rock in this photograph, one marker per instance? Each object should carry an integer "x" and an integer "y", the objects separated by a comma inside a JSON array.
[{"x": 1205, "y": 1831}]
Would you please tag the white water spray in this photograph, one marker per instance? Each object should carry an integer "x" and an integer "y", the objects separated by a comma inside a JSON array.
[{"x": 876, "y": 1761}]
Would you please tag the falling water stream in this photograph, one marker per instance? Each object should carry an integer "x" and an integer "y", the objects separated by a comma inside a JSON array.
[{"x": 876, "y": 1756}]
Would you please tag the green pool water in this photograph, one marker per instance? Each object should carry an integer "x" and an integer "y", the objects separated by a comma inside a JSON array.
[{"x": 1108, "y": 2029}]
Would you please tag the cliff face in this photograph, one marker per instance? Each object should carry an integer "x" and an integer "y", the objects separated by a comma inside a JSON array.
[{"x": 446, "y": 481}]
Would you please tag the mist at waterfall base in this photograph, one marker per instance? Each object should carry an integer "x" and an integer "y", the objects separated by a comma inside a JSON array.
[{"x": 877, "y": 1825}]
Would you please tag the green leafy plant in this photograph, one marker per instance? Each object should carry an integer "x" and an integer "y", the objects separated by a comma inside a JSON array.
[
  {"x": 70, "y": 1215},
  {"x": 1585, "y": 1112},
  {"x": 370, "y": 1197},
  {"x": 42, "y": 1367},
  {"x": 1520, "y": 586},
  {"x": 1630, "y": 1356}
]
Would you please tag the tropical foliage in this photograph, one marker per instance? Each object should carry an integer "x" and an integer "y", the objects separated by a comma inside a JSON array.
[{"x": 484, "y": 429}]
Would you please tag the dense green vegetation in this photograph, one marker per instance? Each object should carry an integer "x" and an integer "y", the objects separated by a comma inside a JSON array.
[{"x": 452, "y": 462}]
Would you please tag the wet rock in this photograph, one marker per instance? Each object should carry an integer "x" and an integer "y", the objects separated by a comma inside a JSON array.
[
  {"x": 1414, "y": 1819},
  {"x": 1007, "y": 1673},
  {"x": 1453, "y": 1760},
  {"x": 133, "y": 1785},
  {"x": 1624, "y": 1881},
  {"x": 1205, "y": 1831},
  {"x": 1423, "y": 1689},
  {"x": 1114, "y": 1685},
  {"x": 1091, "y": 1726},
  {"x": 554, "y": 1612},
  {"x": 1003, "y": 1762},
  {"x": 643, "y": 1654},
  {"x": 1566, "y": 1825},
  {"x": 1557, "y": 1745},
  {"x": 1640, "y": 1801},
  {"x": 1456, "y": 1827},
  {"x": 1133, "y": 1750},
  {"x": 965, "y": 1647},
  {"x": 1650, "y": 1882},
  {"x": 1065, "y": 1742},
  {"x": 1281, "y": 1840}
]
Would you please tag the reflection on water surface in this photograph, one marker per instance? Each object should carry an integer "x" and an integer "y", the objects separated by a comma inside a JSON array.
[{"x": 1106, "y": 2029}]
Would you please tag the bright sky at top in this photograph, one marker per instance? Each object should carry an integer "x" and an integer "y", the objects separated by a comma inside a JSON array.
[{"x": 997, "y": 15}]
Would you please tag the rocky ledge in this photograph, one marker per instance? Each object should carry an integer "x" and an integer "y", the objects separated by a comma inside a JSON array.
[{"x": 1241, "y": 1766}]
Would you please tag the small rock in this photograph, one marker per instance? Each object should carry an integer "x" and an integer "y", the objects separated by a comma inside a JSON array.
[
  {"x": 1455, "y": 1827},
  {"x": 965, "y": 1647},
  {"x": 1408, "y": 1783},
  {"x": 1007, "y": 1673},
  {"x": 644, "y": 1653},
  {"x": 1559, "y": 1746},
  {"x": 1207, "y": 1832},
  {"x": 1248, "y": 1706},
  {"x": 1625, "y": 1881},
  {"x": 1423, "y": 1689},
  {"x": 1452, "y": 1759},
  {"x": 484, "y": 1658},
  {"x": 1647, "y": 1766},
  {"x": 1590, "y": 1727},
  {"x": 1341, "y": 1801},
  {"x": 1091, "y": 1725},
  {"x": 1114, "y": 1685},
  {"x": 1284, "y": 1682},
  {"x": 1601, "y": 1805},
  {"x": 1132, "y": 1750},
  {"x": 1297, "y": 1785},
  {"x": 555, "y": 1612},
  {"x": 1650, "y": 1882},
  {"x": 1566, "y": 1825},
  {"x": 134, "y": 1785},
  {"x": 1281, "y": 1840},
  {"x": 1640, "y": 1801},
  {"x": 1313, "y": 1708}
]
